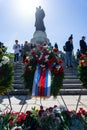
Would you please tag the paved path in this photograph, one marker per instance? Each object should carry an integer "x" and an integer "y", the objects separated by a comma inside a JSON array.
[{"x": 17, "y": 102}]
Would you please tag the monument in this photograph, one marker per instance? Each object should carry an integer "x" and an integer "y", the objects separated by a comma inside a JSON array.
[{"x": 39, "y": 36}]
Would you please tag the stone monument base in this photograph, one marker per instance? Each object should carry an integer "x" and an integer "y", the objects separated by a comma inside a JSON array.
[{"x": 39, "y": 37}]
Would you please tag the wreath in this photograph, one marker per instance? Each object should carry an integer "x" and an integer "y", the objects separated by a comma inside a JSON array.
[
  {"x": 6, "y": 72},
  {"x": 47, "y": 58},
  {"x": 82, "y": 69}
]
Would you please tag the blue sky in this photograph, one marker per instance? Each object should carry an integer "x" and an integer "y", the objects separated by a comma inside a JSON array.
[{"x": 62, "y": 18}]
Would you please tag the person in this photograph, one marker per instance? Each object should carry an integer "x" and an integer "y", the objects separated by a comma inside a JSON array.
[
  {"x": 39, "y": 15},
  {"x": 69, "y": 50},
  {"x": 78, "y": 54},
  {"x": 25, "y": 50},
  {"x": 83, "y": 46},
  {"x": 56, "y": 45},
  {"x": 16, "y": 48}
]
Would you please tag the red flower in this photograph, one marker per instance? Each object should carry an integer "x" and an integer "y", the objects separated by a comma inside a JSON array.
[
  {"x": 46, "y": 52},
  {"x": 28, "y": 70},
  {"x": 60, "y": 61},
  {"x": 79, "y": 113},
  {"x": 11, "y": 122},
  {"x": 82, "y": 111},
  {"x": 56, "y": 71},
  {"x": 17, "y": 128},
  {"x": 21, "y": 117},
  {"x": 61, "y": 69},
  {"x": 83, "y": 56},
  {"x": 50, "y": 108},
  {"x": 41, "y": 47},
  {"x": 33, "y": 52},
  {"x": 28, "y": 113},
  {"x": 81, "y": 63},
  {"x": 40, "y": 112},
  {"x": 52, "y": 59},
  {"x": 26, "y": 61},
  {"x": 41, "y": 107},
  {"x": 55, "y": 50},
  {"x": 55, "y": 106}
]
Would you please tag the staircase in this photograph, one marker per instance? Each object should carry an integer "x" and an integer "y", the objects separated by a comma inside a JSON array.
[
  {"x": 71, "y": 83},
  {"x": 18, "y": 82}
]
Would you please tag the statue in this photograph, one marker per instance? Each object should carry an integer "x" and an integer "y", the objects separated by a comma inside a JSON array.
[{"x": 39, "y": 15}]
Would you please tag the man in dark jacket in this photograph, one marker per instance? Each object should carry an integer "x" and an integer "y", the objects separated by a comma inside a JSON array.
[
  {"x": 69, "y": 50},
  {"x": 83, "y": 46}
]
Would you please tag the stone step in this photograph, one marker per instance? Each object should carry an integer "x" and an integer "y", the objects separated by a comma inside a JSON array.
[
  {"x": 72, "y": 86},
  {"x": 18, "y": 81},
  {"x": 61, "y": 92},
  {"x": 70, "y": 77},
  {"x": 18, "y": 76},
  {"x": 65, "y": 86},
  {"x": 19, "y": 92},
  {"x": 70, "y": 74},
  {"x": 18, "y": 86},
  {"x": 73, "y": 92},
  {"x": 19, "y": 71},
  {"x": 71, "y": 81}
]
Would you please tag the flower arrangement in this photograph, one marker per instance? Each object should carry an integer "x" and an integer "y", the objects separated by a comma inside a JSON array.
[
  {"x": 6, "y": 72},
  {"x": 52, "y": 118},
  {"x": 46, "y": 58},
  {"x": 82, "y": 69}
]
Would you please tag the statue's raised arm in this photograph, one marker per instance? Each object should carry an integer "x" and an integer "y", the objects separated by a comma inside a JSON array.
[{"x": 39, "y": 23}]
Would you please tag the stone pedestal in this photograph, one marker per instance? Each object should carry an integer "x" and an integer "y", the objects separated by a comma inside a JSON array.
[{"x": 39, "y": 37}]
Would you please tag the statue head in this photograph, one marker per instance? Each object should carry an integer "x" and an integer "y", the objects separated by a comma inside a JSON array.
[{"x": 39, "y": 7}]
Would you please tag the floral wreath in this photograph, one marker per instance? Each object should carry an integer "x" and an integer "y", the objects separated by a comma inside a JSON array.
[
  {"x": 6, "y": 72},
  {"x": 82, "y": 69},
  {"x": 46, "y": 57}
]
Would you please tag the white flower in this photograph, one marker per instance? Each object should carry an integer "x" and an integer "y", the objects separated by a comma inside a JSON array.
[
  {"x": 4, "y": 62},
  {"x": 27, "y": 57},
  {"x": 16, "y": 128},
  {"x": 58, "y": 67},
  {"x": 29, "y": 67},
  {"x": 50, "y": 51},
  {"x": 46, "y": 56},
  {"x": 62, "y": 108},
  {"x": 46, "y": 46},
  {"x": 46, "y": 60},
  {"x": 60, "y": 55},
  {"x": 59, "y": 109},
  {"x": 5, "y": 59}
]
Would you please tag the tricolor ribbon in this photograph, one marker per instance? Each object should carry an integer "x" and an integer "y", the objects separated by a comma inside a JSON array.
[{"x": 41, "y": 82}]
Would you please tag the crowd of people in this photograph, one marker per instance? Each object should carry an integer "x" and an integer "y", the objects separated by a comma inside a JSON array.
[{"x": 24, "y": 50}]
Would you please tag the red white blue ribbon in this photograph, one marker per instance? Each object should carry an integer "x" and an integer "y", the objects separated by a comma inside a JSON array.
[{"x": 41, "y": 82}]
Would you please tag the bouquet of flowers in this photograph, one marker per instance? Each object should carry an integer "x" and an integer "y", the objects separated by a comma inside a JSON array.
[
  {"x": 52, "y": 118},
  {"x": 6, "y": 72},
  {"x": 82, "y": 70},
  {"x": 45, "y": 58}
]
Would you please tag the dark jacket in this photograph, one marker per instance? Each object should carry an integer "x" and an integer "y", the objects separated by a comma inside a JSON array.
[
  {"x": 83, "y": 46},
  {"x": 69, "y": 46}
]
